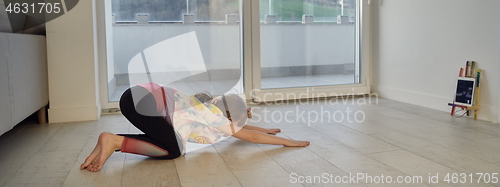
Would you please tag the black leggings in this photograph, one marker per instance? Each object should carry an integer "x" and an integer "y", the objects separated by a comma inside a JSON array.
[{"x": 158, "y": 132}]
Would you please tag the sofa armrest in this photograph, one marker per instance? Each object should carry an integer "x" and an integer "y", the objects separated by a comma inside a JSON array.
[
  {"x": 28, "y": 74},
  {"x": 6, "y": 122}
]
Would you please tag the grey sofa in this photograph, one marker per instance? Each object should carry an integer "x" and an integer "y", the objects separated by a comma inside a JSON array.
[{"x": 23, "y": 74}]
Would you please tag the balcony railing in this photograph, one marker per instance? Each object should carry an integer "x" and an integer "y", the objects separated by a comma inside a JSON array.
[{"x": 319, "y": 53}]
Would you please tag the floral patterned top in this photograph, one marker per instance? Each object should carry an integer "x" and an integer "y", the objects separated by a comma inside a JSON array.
[
  {"x": 196, "y": 122},
  {"x": 193, "y": 121}
]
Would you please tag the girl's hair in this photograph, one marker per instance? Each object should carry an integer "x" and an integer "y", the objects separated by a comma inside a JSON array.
[
  {"x": 204, "y": 97},
  {"x": 236, "y": 106}
]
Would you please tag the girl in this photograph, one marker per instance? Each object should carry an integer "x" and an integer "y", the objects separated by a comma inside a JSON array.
[{"x": 169, "y": 119}]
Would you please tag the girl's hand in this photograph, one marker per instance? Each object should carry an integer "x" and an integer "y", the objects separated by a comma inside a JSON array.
[
  {"x": 272, "y": 131},
  {"x": 296, "y": 143}
]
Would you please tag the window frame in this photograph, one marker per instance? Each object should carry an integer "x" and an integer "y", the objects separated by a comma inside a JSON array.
[
  {"x": 250, "y": 32},
  {"x": 252, "y": 81}
]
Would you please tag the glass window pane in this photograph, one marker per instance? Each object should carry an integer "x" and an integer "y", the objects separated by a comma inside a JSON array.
[
  {"x": 322, "y": 10},
  {"x": 172, "y": 10},
  {"x": 192, "y": 57},
  {"x": 210, "y": 10},
  {"x": 158, "y": 10},
  {"x": 303, "y": 44}
]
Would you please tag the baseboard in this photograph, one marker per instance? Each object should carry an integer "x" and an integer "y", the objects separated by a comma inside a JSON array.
[
  {"x": 72, "y": 114},
  {"x": 486, "y": 113}
]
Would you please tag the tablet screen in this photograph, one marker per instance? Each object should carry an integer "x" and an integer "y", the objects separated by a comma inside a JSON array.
[{"x": 465, "y": 91}]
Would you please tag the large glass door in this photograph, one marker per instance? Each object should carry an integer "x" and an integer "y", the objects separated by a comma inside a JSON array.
[
  {"x": 192, "y": 45},
  {"x": 305, "y": 48},
  {"x": 308, "y": 48}
]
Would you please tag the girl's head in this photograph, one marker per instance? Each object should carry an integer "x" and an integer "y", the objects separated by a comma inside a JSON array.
[{"x": 236, "y": 106}]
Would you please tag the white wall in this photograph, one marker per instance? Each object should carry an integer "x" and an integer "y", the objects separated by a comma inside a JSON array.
[
  {"x": 72, "y": 65},
  {"x": 419, "y": 47}
]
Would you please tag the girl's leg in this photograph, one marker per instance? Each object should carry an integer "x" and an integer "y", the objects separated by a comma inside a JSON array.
[
  {"x": 141, "y": 144},
  {"x": 159, "y": 139}
]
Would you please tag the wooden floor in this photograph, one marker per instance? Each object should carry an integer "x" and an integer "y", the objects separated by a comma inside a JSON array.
[{"x": 394, "y": 139}]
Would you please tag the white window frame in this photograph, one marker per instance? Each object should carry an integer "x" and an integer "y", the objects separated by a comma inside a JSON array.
[
  {"x": 251, "y": 56},
  {"x": 103, "y": 8},
  {"x": 252, "y": 81}
]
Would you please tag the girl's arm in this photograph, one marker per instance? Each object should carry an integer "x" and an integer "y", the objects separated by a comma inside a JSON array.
[
  {"x": 268, "y": 131},
  {"x": 254, "y": 136},
  {"x": 263, "y": 138}
]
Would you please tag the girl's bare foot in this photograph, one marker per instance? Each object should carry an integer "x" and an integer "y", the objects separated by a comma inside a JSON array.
[
  {"x": 249, "y": 112},
  {"x": 106, "y": 145},
  {"x": 273, "y": 131},
  {"x": 296, "y": 143}
]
